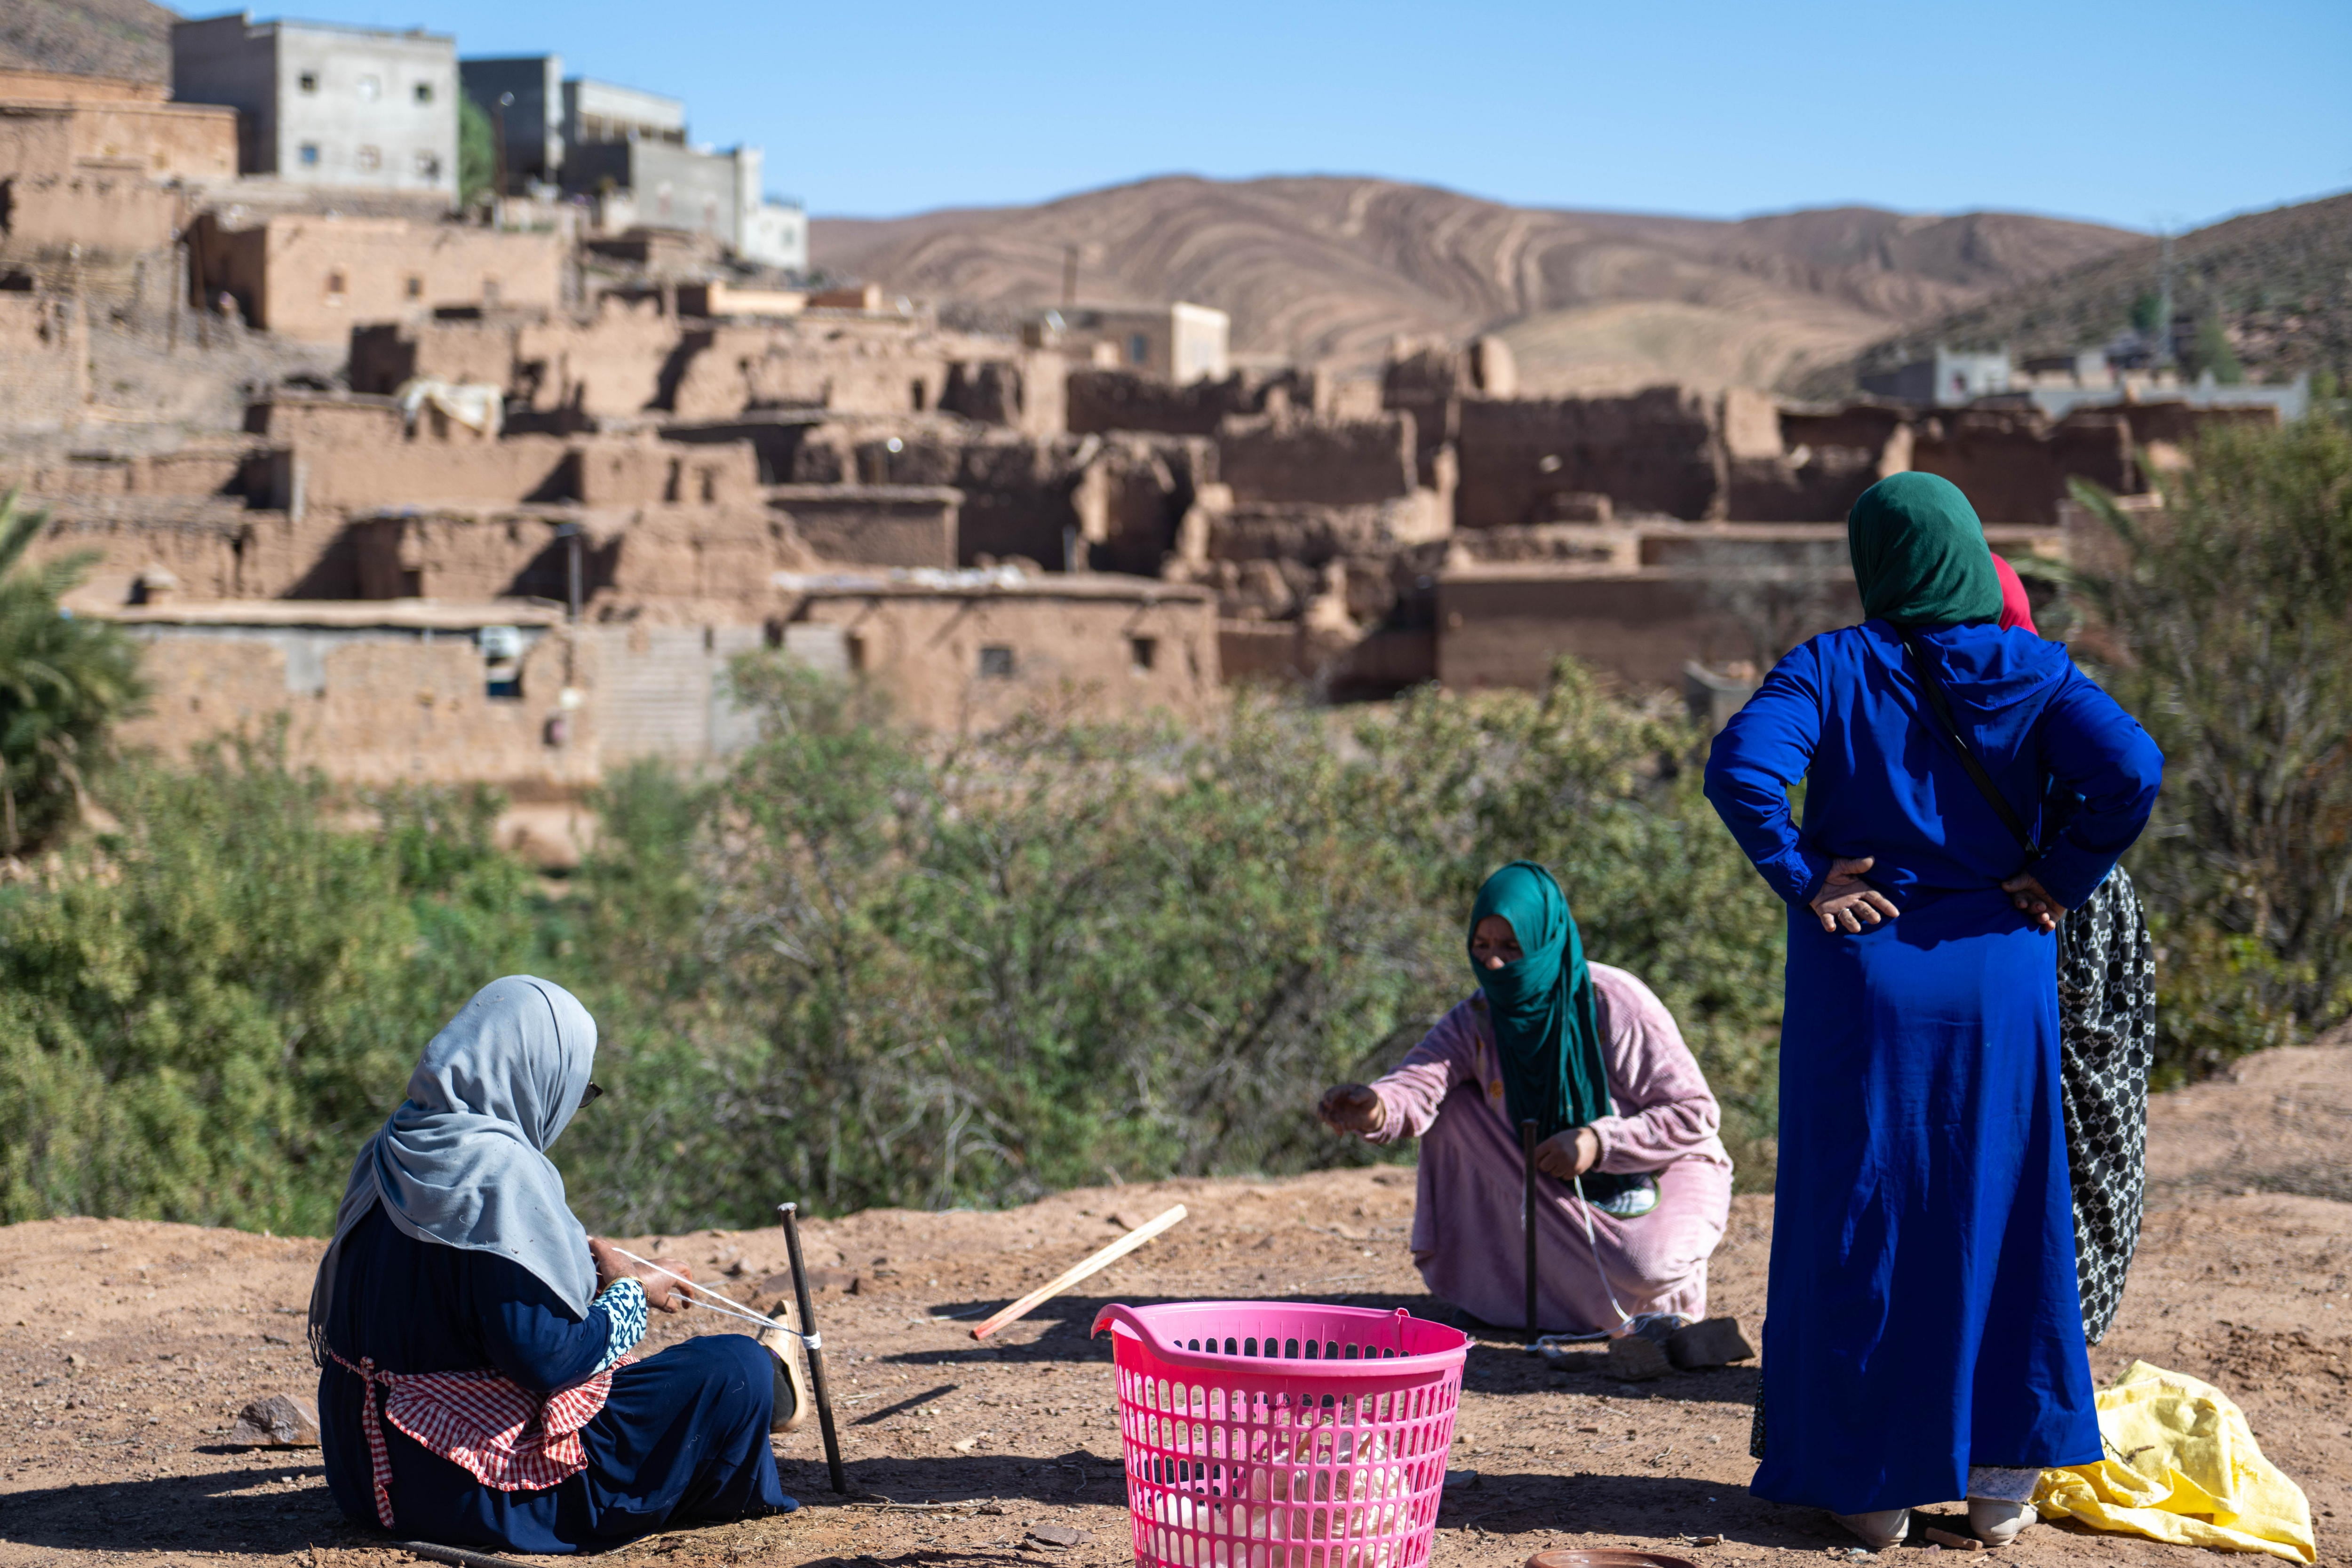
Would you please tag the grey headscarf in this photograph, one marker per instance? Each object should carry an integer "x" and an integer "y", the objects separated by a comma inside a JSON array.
[{"x": 462, "y": 1161}]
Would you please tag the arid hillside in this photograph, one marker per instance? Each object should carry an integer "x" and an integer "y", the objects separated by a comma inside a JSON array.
[
  {"x": 2280, "y": 280},
  {"x": 90, "y": 38},
  {"x": 1330, "y": 268}
]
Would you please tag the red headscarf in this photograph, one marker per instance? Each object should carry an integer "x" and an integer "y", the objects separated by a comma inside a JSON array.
[{"x": 2016, "y": 609}]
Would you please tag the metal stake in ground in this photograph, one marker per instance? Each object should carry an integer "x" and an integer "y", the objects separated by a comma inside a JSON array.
[
  {"x": 790, "y": 1216},
  {"x": 1527, "y": 1218}
]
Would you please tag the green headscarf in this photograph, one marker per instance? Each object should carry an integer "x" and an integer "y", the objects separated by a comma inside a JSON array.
[
  {"x": 1546, "y": 1021},
  {"x": 1919, "y": 553}
]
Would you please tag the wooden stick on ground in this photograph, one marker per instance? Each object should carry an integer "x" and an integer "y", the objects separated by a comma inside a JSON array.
[{"x": 1079, "y": 1270}]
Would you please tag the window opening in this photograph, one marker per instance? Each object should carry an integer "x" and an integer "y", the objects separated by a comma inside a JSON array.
[
  {"x": 423, "y": 92},
  {"x": 501, "y": 662},
  {"x": 337, "y": 285},
  {"x": 416, "y": 288},
  {"x": 307, "y": 81},
  {"x": 429, "y": 165},
  {"x": 1142, "y": 653},
  {"x": 310, "y": 153},
  {"x": 997, "y": 662},
  {"x": 1139, "y": 348}
]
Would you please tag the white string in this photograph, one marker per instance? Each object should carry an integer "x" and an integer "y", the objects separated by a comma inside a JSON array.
[
  {"x": 724, "y": 1305},
  {"x": 1584, "y": 1208}
]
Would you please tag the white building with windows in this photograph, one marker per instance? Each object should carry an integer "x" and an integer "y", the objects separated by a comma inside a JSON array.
[{"x": 326, "y": 105}]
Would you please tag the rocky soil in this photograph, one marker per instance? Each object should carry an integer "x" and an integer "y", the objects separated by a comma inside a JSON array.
[{"x": 127, "y": 1348}]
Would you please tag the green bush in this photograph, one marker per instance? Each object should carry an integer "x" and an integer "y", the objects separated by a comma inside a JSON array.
[
  {"x": 202, "y": 1013},
  {"x": 858, "y": 969},
  {"x": 2224, "y": 619},
  {"x": 63, "y": 682}
]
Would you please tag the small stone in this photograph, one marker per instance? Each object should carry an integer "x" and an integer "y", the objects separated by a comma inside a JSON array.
[
  {"x": 1060, "y": 1535},
  {"x": 74, "y": 1359},
  {"x": 277, "y": 1421},
  {"x": 1632, "y": 1359},
  {"x": 1957, "y": 1542},
  {"x": 1460, "y": 1480},
  {"x": 966, "y": 1445},
  {"x": 1717, "y": 1342}
]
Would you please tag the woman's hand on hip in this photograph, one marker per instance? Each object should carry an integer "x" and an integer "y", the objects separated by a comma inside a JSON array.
[
  {"x": 1353, "y": 1107},
  {"x": 1569, "y": 1154},
  {"x": 1846, "y": 902},
  {"x": 2041, "y": 909}
]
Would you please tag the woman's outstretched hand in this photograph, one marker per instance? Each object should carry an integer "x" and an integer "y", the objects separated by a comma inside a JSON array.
[
  {"x": 1847, "y": 903},
  {"x": 2030, "y": 895},
  {"x": 662, "y": 1292},
  {"x": 1569, "y": 1154},
  {"x": 1352, "y": 1108}
]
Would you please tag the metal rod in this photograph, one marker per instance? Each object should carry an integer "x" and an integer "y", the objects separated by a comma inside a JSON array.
[
  {"x": 815, "y": 1346},
  {"x": 1527, "y": 1218}
]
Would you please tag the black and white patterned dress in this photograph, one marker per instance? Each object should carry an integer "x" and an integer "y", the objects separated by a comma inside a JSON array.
[{"x": 2106, "y": 1043}]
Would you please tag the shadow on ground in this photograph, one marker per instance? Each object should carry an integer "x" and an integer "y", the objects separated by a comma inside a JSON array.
[
  {"x": 219, "y": 1512},
  {"x": 1497, "y": 1363}
]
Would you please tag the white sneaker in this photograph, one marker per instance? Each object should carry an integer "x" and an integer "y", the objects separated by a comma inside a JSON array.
[
  {"x": 1996, "y": 1524},
  {"x": 1887, "y": 1527}
]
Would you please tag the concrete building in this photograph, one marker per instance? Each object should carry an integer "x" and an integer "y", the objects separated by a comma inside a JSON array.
[
  {"x": 523, "y": 96},
  {"x": 1945, "y": 379},
  {"x": 1180, "y": 343},
  {"x": 607, "y": 112},
  {"x": 775, "y": 234},
  {"x": 326, "y": 105}
]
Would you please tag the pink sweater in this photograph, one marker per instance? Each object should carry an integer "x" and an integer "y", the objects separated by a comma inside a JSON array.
[
  {"x": 1666, "y": 1111},
  {"x": 1466, "y": 1234}
]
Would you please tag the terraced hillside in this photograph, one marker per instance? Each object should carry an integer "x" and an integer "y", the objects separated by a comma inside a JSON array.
[{"x": 1327, "y": 269}]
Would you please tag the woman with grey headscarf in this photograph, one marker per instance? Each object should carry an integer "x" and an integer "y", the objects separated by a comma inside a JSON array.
[{"x": 476, "y": 1384}]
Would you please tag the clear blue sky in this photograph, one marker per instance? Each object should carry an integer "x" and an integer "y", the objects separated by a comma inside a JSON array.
[{"x": 2137, "y": 114}]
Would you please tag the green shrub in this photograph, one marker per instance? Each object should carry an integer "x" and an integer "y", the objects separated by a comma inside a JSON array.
[{"x": 2226, "y": 622}]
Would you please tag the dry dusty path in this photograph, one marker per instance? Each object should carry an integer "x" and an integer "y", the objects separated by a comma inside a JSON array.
[{"x": 126, "y": 1347}]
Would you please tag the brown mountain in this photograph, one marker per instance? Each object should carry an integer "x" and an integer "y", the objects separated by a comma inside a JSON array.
[
  {"x": 88, "y": 38},
  {"x": 2280, "y": 281},
  {"x": 1327, "y": 269}
]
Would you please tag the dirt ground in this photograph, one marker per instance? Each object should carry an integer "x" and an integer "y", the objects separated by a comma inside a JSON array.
[{"x": 126, "y": 1349}]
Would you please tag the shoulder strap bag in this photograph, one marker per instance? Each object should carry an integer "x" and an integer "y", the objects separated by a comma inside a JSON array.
[{"x": 1939, "y": 708}]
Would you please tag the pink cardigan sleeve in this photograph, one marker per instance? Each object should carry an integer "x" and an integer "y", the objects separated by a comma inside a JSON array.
[
  {"x": 1419, "y": 1085},
  {"x": 1666, "y": 1110}
]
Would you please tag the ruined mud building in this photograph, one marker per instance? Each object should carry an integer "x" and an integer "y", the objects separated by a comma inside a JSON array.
[{"x": 679, "y": 467}]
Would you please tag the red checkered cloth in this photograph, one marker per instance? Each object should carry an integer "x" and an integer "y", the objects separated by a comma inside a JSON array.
[{"x": 506, "y": 1437}]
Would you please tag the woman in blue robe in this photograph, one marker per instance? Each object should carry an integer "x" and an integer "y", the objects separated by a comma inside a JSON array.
[
  {"x": 1923, "y": 1338},
  {"x": 458, "y": 1273}
]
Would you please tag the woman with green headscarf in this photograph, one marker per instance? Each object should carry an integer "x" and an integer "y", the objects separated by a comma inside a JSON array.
[
  {"x": 1923, "y": 1340},
  {"x": 1593, "y": 1058}
]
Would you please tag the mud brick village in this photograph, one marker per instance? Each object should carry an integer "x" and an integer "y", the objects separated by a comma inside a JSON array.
[{"x": 463, "y": 428}]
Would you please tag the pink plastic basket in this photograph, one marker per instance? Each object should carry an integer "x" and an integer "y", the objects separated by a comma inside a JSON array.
[{"x": 1270, "y": 1435}]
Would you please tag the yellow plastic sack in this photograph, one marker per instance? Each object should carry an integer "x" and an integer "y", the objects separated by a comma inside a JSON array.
[{"x": 2181, "y": 1467}]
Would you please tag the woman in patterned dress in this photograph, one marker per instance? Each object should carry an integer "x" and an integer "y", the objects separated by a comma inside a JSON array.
[
  {"x": 476, "y": 1385},
  {"x": 2106, "y": 1043}
]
